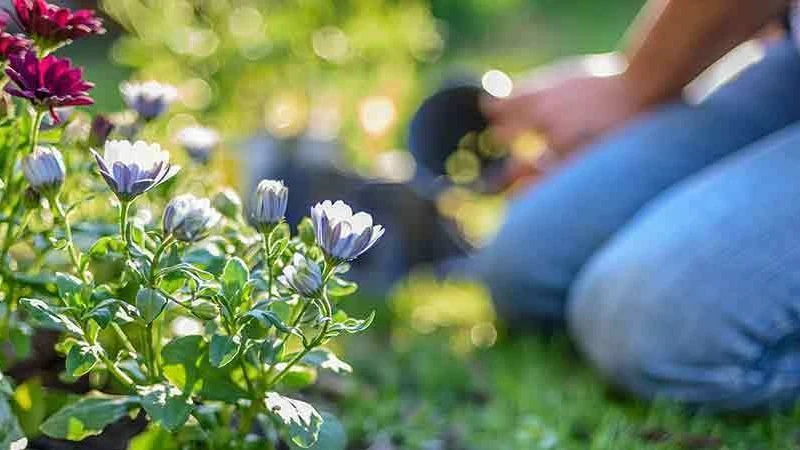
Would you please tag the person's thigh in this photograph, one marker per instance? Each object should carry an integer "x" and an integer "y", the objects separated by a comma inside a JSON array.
[
  {"x": 698, "y": 298},
  {"x": 554, "y": 228}
]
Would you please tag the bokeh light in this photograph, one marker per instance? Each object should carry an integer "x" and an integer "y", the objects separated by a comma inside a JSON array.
[
  {"x": 497, "y": 83},
  {"x": 377, "y": 114}
]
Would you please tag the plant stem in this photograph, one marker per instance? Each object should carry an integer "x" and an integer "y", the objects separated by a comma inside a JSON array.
[
  {"x": 327, "y": 311},
  {"x": 120, "y": 375},
  {"x": 8, "y": 240},
  {"x": 8, "y": 173},
  {"x": 289, "y": 365},
  {"x": 150, "y": 353},
  {"x": 37, "y": 123},
  {"x": 268, "y": 261},
  {"x": 73, "y": 251},
  {"x": 123, "y": 338},
  {"x": 124, "y": 207},
  {"x": 157, "y": 257},
  {"x": 250, "y": 386},
  {"x": 153, "y": 342}
]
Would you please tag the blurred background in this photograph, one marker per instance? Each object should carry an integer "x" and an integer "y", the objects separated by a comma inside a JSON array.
[{"x": 321, "y": 93}]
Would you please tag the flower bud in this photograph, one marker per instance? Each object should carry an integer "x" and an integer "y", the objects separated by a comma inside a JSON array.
[
  {"x": 302, "y": 276},
  {"x": 31, "y": 199},
  {"x": 99, "y": 131},
  {"x": 149, "y": 99},
  {"x": 227, "y": 202},
  {"x": 342, "y": 235},
  {"x": 204, "y": 309},
  {"x": 188, "y": 218},
  {"x": 199, "y": 143},
  {"x": 44, "y": 170},
  {"x": 268, "y": 204}
]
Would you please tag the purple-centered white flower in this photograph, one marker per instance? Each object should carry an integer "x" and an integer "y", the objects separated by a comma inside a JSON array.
[
  {"x": 149, "y": 99},
  {"x": 268, "y": 204},
  {"x": 199, "y": 142},
  {"x": 133, "y": 169},
  {"x": 188, "y": 218},
  {"x": 303, "y": 276},
  {"x": 341, "y": 234},
  {"x": 44, "y": 170}
]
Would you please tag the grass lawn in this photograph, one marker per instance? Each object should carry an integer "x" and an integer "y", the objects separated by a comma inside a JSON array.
[{"x": 525, "y": 392}]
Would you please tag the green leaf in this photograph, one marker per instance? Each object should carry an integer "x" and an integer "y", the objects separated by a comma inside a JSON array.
[
  {"x": 30, "y": 403},
  {"x": 186, "y": 365},
  {"x": 134, "y": 272},
  {"x": 49, "y": 317},
  {"x": 324, "y": 358},
  {"x": 349, "y": 325},
  {"x": 5, "y": 386},
  {"x": 298, "y": 376},
  {"x": 223, "y": 349},
  {"x": 107, "y": 245},
  {"x": 103, "y": 312},
  {"x": 188, "y": 270},
  {"x": 302, "y": 421},
  {"x": 11, "y": 435},
  {"x": 332, "y": 435},
  {"x": 278, "y": 246},
  {"x": 166, "y": 405},
  {"x": 150, "y": 303},
  {"x": 43, "y": 283},
  {"x": 82, "y": 358},
  {"x": 181, "y": 360},
  {"x": 21, "y": 337},
  {"x": 154, "y": 438},
  {"x": 126, "y": 313},
  {"x": 305, "y": 230},
  {"x": 269, "y": 318},
  {"x": 234, "y": 277},
  {"x": 208, "y": 257},
  {"x": 87, "y": 417},
  {"x": 69, "y": 289},
  {"x": 338, "y": 287}
]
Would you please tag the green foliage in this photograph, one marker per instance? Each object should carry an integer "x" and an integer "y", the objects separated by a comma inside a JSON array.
[
  {"x": 301, "y": 420},
  {"x": 150, "y": 302},
  {"x": 189, "y": 329},
  {"x": 11, "y": 434},
  {"x": 87, "y": 417},
  {"x": 166, "y": 405}
]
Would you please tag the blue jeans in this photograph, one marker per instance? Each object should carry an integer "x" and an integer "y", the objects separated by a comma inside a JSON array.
[{"x": 671, "y": 249}]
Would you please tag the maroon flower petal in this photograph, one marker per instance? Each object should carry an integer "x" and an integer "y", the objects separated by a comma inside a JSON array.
[{"x": 52, "y": 82}]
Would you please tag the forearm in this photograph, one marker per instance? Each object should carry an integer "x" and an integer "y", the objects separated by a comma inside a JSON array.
[{"x": 673, "y": 41}]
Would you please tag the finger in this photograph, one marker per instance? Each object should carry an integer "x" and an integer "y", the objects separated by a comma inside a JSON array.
[
  {"x": 491, "y": 106},
  {"x": 505, "y": 133},
  {"x": 499, "y": 108}
]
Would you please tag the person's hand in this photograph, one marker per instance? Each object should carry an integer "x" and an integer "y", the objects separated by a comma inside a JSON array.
[{"x": 568, "y": 114}]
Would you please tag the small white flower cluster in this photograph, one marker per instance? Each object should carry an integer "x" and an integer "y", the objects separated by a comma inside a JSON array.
[{"x": 342, "y": 235}]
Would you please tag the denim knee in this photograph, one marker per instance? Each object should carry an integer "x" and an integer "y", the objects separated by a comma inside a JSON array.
[{"x": 655, "y": 330}]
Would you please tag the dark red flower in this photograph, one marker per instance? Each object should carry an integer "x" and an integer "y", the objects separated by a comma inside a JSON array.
[
  {"x": 11, "y": 44},
  {"x": 51, "y": 25},
  {"x": 48, "y": 83}
]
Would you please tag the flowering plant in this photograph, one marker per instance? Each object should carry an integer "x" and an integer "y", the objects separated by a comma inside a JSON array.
[{"x": 201, "y": 322}]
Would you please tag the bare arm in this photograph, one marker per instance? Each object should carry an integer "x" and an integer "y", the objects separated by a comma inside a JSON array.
[
  {"x": 668, "y": 46},
  {"x": 673, "y": 41}
]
